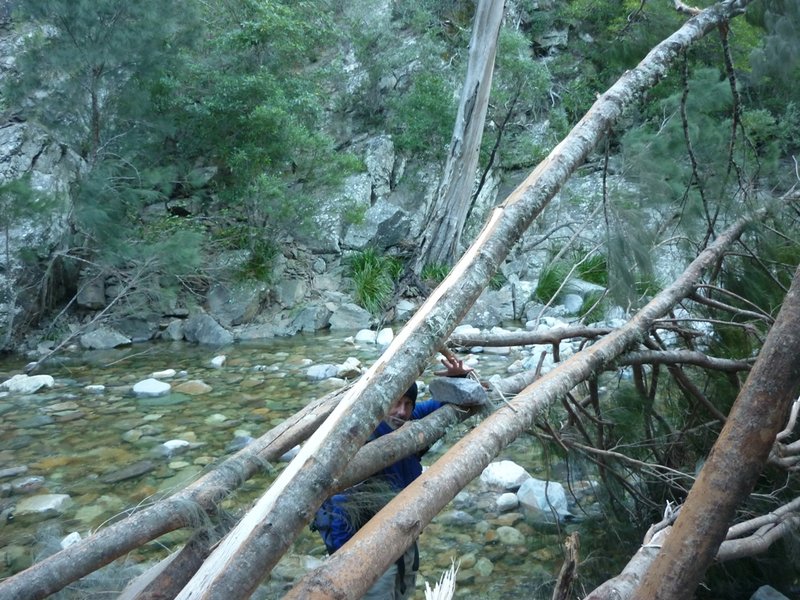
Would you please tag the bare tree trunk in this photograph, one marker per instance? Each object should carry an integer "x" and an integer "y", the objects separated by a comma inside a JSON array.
[
  {"x": 448, "y": 212},
  {"x": 735, "y": 461},
  {"x": 353, "y": 568},
  {"x": 252, "y": 549}
]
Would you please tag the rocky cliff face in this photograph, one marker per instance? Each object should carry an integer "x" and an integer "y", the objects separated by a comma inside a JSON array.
[
  {"x": 31, "y": 227},
  {"x": 311, "y": 290}
]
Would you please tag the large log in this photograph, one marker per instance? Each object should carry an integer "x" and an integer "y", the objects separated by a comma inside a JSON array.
[
  {"x": 167, "y": 578},
  {"x": 353, "y": 568},
  {"x": 252, "y": 549},
  {"x": 735, "y": 462}
]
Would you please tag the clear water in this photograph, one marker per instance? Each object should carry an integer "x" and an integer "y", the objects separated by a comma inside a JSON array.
[{"x": 70, "y": 437}]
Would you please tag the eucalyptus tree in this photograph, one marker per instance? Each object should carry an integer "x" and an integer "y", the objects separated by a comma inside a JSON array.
[{"x": 441, "y": 238}]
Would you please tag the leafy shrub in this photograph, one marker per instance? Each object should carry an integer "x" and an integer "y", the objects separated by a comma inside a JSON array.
[{"x": 422, "y": 120}]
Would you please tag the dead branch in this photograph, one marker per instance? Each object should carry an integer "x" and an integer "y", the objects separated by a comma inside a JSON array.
[
  {"x": 738, "y": 312},
  {"x": 528, "y": 338},
  {"x": 768, "y": 528},
  {"x": 569, "y": 568},
  {"x": 688, "y": 357}
]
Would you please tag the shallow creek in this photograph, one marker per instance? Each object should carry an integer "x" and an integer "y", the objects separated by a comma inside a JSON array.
[{"x": 72, "y": 438}]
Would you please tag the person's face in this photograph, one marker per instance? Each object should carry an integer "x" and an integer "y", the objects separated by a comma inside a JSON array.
[{"x": 399, "y": 412}]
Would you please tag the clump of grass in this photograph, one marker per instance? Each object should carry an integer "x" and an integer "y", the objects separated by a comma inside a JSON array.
[
  {"x": 551, "y": 279},
  {"x": 434, "y": 273},
  {"x": 592, "y": 268},
  {"x": 594, "y": 307},
  {"x": 497, "y": 281},
  {"x": 374, "y": 276}
]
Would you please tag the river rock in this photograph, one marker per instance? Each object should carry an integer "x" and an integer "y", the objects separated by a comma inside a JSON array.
[
  {"x": 173, "y": 330},
  {"x": 70, "y": 539},
  {"x": 509, "y": 536},
  {"x": 151, "y": 388},
  {"x": 384, "y": 337},
  {"x": 320, "y": 372},
  {"x": 572, "y": 302},
  {"x": 201, "y": 328},
  {"x": 543, "y": 501},
  {"x": 238, "y": 442},
  {"x": 483, "y": 567},
  {"x": 193, "y": 387},
  {"x": 42, "y": 506},
  {"x": 506, "y": 502},
  {"x": 461, "y": 391},
  {"x": 404, "y": 309},
  {"x": 350, "y": 316},
  {"x": 289, "y": 455},
  {"x": 456, "y": 517},
  {"x": 366, "y": 336},
  {"x": 103, "y": 338},
  {"x": 13, "y": 471},
  {"x": 27, "y": 485},
  {"x": 504, "y": 475},
  {"x": 134, "y": 470},
  {"x": 350, "y": 368},
  {"x": 27, "y": 384},
  {"x": 163, "y": 374}
]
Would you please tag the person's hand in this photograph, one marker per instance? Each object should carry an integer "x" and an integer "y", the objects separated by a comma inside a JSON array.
[{"x": 454, "y": 367}]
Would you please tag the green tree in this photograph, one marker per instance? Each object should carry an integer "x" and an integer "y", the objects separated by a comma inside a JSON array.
[
  {"x": 88, "y": 68},
  {"x": 251, "y": 102}
]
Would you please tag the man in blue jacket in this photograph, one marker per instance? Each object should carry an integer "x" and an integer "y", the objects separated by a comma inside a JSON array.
[{"x": 342, "y": 515}]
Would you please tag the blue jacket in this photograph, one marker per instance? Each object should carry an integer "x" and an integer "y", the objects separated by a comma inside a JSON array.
[{"x": 339, "y": 517}]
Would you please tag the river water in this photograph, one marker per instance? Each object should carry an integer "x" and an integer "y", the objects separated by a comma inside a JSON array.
[{"x": 74, "y": 437}]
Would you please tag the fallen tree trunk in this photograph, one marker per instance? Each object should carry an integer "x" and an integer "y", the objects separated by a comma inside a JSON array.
[
  {"x": 353, "y": 568},
  {"x": 768, "y": 529},
  {"x": 735, "y": 462},
  {"x": 179, "y": 510},
  {"x": 167, "y": 578},
  {"x": 252, "y": 549}
]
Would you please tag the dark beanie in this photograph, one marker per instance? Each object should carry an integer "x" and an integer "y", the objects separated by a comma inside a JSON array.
[{"x": 412, "y": 392}]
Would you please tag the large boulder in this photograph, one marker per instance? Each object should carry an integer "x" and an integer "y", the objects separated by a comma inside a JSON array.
[
  {"x": 236, "y": 304},
  {"x": 201, "y": 328}
]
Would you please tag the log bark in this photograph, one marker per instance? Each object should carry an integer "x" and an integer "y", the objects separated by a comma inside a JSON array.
[
  {"x": 253, "y": 548},
  {"x": 179, "y": 510},
  {"x": 353, "y": 568},
  {"x": 735, "y": 461}
]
